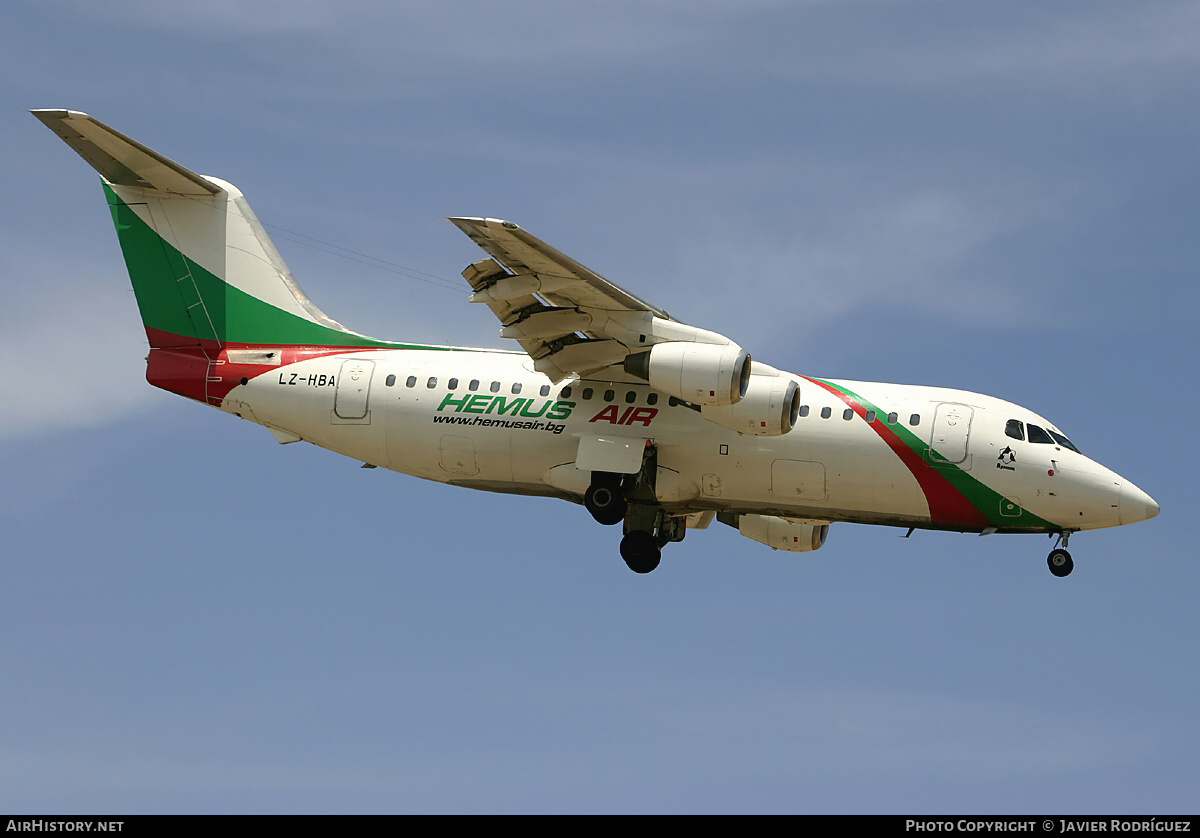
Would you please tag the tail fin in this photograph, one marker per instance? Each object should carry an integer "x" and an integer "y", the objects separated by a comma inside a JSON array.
[{"x": 204, "y": 271}]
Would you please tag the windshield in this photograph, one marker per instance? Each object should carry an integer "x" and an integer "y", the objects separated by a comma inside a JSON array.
[
  {"x": 1063, "y": 441},
  {"x": 1036, "y": 434},
  {"x": 1049, "y": 437}
]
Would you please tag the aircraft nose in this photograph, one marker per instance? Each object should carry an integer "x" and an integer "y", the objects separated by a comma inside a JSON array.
[{"x": 1136, "y": 505}]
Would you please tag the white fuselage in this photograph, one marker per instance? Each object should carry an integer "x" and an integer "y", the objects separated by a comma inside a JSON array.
[{"x": 929, "y": 457}]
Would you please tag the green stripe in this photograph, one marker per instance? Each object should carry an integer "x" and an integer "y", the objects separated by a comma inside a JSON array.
[
  {"x": 984, "y": 498},
  {"x": 176, "y": 295}
]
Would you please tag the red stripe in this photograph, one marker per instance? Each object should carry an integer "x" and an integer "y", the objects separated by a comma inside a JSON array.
[
  {"x": 201, "y": 370},
  {"x": 947, "y": 506}
]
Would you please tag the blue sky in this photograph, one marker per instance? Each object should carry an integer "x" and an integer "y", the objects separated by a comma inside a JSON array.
[{"x": 997, "y": 197}]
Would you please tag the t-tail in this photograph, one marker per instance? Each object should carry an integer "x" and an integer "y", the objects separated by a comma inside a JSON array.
[{"x": 206, "y": 276}]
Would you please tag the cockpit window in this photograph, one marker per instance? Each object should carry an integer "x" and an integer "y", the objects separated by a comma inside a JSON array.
[
  {"x": 1036, "y": 434},
  {"x": 1015, "y": 428},
  {"x": 1063, "y": 441}
]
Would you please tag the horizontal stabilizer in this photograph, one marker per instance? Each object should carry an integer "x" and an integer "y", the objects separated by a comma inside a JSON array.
[{"x": 120, "y": 160}]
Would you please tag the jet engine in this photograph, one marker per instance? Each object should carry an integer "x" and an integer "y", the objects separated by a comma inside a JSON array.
[
  {"x": 793, "y": 535},
  {"x": 769, "y": 408},
  {"x": 698, "y": 373}
]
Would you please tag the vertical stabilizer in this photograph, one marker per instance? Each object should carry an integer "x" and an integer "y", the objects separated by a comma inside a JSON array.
[{"x": 204, "y": 271}]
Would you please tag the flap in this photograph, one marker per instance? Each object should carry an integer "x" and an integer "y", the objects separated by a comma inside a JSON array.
[{"x": 569, "y": 319}]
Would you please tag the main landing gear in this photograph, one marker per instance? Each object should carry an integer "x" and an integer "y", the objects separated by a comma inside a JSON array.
[
  {"x": 640, "y": 550},
  {"x": 647, "y": 530},
  {"x": 1059, "y": 561},
  {"x": 605, "y": 498},
  {"x": 615, "y": 498}
]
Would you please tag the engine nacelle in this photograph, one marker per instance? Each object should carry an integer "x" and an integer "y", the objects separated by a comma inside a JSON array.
[
  {"x": 784, "y": 533},
  {"x": 699, "y": 373},
  {"x": 769, "y": 408}
]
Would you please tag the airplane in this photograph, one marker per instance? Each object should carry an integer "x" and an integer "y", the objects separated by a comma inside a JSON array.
[{"x": 610, "y": 402}]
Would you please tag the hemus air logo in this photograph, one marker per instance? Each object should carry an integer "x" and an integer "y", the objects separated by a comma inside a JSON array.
[
  {"x": 631, "y": 415},
  {"x": 502, "y": 405},
  {"x": 542, "y": 408}
]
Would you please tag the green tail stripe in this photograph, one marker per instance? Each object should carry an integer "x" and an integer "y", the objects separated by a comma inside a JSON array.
[{"x": 176, "y": 295}]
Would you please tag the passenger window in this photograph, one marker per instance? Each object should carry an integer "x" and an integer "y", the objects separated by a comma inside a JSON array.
[
  {"x": 915, "y": 419},
  {"x": 411, "y": 381},
  {"x": 432, "y": 382},
  {"x": 826, "y": 412},
  {"x": 870, "y": 416},
  {"x": 474, "y": 385},
  {"x": 892, "y": 418},
  {"x": 516, "y": 388},
  {"x": 608, "y": 395},
  {"x": 848, "y": 414},
  {"x": 390, "y": 380},
  {"x": 672, "y": 401},
  {"x": 1015, "y": 428},
  {"x": 1038, "y": 435},
  {"x": 495, "y": 387},
  {"x": 803, "y": 410},
  {"x": 565, "y": 394},
  {"x": 545, "y": 391},
  {"x": 630, "y": 397},
  {"x": 652, "y": 398},
  {"x": 452, "y": 384},
  {"x": 586, "y": 394}
]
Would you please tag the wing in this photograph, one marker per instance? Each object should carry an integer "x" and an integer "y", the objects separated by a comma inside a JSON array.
[
  {"x": 573, "y": 322},
  {"x": 569, "y": 319}
]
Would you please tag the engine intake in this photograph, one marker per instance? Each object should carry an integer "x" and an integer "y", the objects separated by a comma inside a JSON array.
[
  {"x": 700, "y": 373},
  {"x": 769, "y": 408}
]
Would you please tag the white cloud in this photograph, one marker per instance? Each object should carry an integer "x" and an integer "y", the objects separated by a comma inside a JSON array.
[
  {"x": 418, "y": 46},
  {"x": 1034, "y": 47},
  {"x": 912, "y": 247},
  {"x": 222, "y": 18},
  {"x": 72, "y": 361},
  {"x": 31, "y": 773}
]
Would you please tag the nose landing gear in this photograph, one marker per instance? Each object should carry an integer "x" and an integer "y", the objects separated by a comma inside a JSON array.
[{"x": 1059, "y": 561}]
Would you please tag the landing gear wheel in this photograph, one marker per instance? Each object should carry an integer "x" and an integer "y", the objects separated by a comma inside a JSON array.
[
  {"x": 640, "y": 551},
  {"x": 606, "y": 503},
  {"x": 1059, "y": 562}
]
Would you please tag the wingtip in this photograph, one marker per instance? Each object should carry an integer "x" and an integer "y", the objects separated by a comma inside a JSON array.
[
  {"x": 475, "y": 221},
  {"x": 57, "y": 113}
]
